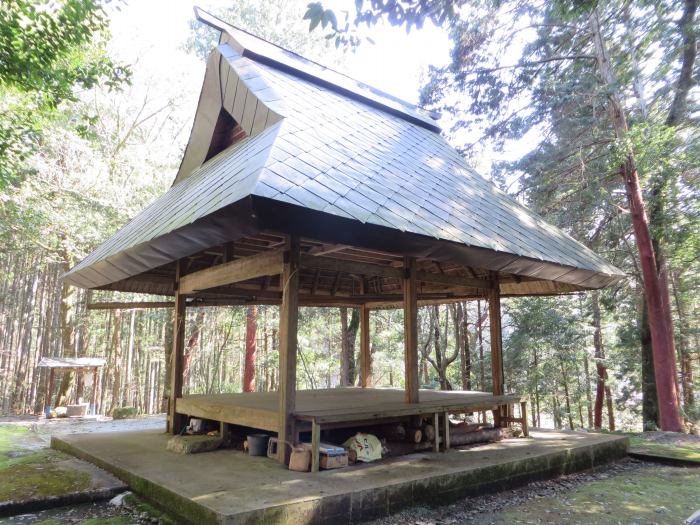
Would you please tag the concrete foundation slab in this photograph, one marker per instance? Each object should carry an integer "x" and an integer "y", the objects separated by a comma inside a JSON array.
[{"x": 227, "y": 486}]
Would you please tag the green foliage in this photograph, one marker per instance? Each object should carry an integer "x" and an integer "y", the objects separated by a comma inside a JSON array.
[
  {"x": 406, "y": 13},
  {"x": 47, "y": 52}
]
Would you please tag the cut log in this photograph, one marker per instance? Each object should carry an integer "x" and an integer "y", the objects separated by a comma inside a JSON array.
[
  {"x": 428, "y": 432},
  {"x": 463, "y": 428},
  {"x": 414, "y": 435},
  {"x": 480, "y": 436}
]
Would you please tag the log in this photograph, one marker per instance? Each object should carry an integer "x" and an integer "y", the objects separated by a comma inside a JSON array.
[
  {"x": 428, "y": 432},
  {"x": 414, "y": 435},
  {"x": 462, "y": 428},
  {"x": 480, "y": 436},
  {"x": 392, "y": 432}
]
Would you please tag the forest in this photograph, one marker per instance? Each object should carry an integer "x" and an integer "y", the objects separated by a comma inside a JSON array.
[{"x": 94, "y": 122}]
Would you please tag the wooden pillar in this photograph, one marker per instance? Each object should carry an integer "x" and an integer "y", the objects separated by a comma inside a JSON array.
[
  {"x": 365, "y": 353},
  {"x": 49, "y": 394},
  {"x": 496, "y": 339},
  {"x": 289, "y": 317},
  {"x": 410, "y": 328},
  {"x": 177, "y": 421}
]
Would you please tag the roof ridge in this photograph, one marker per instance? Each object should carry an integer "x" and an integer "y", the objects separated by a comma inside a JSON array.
[{"x": 250, "y": 46}]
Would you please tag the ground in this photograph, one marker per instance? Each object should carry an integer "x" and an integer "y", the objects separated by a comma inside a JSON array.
[
  {"x": 30, "y": 470},
  {"x": 630, "y": 491}
]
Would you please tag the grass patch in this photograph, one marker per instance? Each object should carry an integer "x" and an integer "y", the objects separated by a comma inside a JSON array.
[
  {"x": 663, "y": 495},
  {"x": 27, "y": 473},
  {"x": 687, "y": 451},
  {"x": 28, "y": 480},
  {"x": 10, "y": 437}
]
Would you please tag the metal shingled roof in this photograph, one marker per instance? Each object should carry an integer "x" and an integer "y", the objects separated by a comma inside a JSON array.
[{"x": 331, "y": 152}]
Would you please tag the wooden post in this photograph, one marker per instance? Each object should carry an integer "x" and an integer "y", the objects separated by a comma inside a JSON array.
[
  {"x": 289, "y": 317},
  {"x": 496, "y": 339},
  {"x": 410, "y": 328},
  {"x": 175, "y": 420},
  {"x": 315, "y": 446},
  {"x": 49, "y": 394},
  {"x": 446, "y": 422},
  {"x": 94, "y": 392},
  {"x": 523, "y": 418},
  {"x": 365, "y": 354},
  {"x": 436, "y": 427}
]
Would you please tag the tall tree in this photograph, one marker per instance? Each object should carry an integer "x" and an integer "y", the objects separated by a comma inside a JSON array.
[{"x": 251, "y": 348}]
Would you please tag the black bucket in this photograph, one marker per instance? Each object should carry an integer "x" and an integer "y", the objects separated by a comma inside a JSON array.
[{"x": 257, "y": 444}]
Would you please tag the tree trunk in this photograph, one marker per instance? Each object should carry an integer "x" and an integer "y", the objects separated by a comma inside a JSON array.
[
  {"x": 461, "y": 326},
  {"x": 67, "y": 332},
  {"x": 601, "y": 371},
  {"x": 650, "y": 401},
  {"x": 686, "y": 362},
  {"x": 587, "y": 387},
  {"x": 116, "y": 359},
  {"x": 611, "y": 413},
  {"x": 191, "y": 347},
  {"x": 661, "y": 331},
  {"x": 348, "y": 335},
  {"x": 251, "y": 348}
]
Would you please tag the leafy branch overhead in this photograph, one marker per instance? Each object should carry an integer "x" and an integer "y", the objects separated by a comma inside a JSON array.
[
  {"x": 48, "y": 53},
  {"x": 408, "y": 14}
]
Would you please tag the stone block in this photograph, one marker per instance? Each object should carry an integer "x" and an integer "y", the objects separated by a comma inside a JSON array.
[{"x": 193, "y": 444}]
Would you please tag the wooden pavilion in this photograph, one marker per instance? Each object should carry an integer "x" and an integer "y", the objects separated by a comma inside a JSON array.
[
  {"x": 79, "y": 365},
  {"x": 300, "y": 186}
]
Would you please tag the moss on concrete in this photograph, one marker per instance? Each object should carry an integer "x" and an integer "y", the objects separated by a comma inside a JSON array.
[
  {"x": 141, "y": 506},
  {"x": 663, "y": 495}
]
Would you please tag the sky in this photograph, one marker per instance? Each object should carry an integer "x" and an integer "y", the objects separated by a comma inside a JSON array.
[{"x": 395, "y": 63}]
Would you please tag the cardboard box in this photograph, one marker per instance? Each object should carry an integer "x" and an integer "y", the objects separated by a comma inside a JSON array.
[
  {"x": 328, "y": 462},
  {"x": 330, "y": 456}
]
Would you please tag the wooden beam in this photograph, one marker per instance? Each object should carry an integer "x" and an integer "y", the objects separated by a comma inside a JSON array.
[
  {"x": 494, "y": 298},
  {"x": 289, "y": 318},
  {"x": 259, "y": 265},
  {"x": 365, "y": 349},
  {"x": 327, "y": 248},
  {"x": 410, "y": 323},
  {"x": 131, "y": 305},
  {"x": 353, "y": 267},
  {"x": 453, "y": 280},
  {"x": 175, "y": 420}
]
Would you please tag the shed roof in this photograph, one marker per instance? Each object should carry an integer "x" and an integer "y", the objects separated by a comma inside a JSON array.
[
  {"x": 325, "y": 154},
  {"x": 71, "y": 362}
]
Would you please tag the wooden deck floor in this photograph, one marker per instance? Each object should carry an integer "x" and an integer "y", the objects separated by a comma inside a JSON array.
[{"x": 259, "y": 409}]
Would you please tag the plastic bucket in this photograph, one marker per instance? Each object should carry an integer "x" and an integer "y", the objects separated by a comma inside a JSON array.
[{"x": 257, "y": 444}]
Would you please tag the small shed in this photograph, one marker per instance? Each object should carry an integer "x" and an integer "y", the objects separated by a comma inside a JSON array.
[
  {"x": 301, "y": 186},
  {"x": 80, "y": 365}
]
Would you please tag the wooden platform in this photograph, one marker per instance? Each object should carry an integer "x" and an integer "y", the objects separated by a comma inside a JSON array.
[
  {"x": 335, "y": 406},
  {"x": 230, "y": 487}
]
